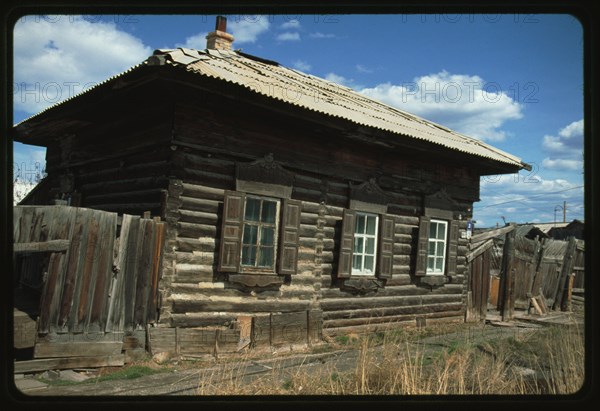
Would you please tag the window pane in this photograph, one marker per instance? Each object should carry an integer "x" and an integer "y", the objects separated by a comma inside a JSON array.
[
  {"x": 438, "y": 264},
  {"x": 250, "y": 232},
  {"x": 248, "y": 255},
  {"x": 266, "y": 257},
  {"x": 430, "y": 263},
  {"x": 369, "y": 264},
  {"x": 440, "y": 249},
  {"x": 358, "y": 244},
  {"x": 371, "y": 224},
  {"x": 268, "y": 211},
  {"x": 252, "y": 209},
  {"x": 431, "y": 250},
  {"x": 360, "y": 224},
  {"x": 370, "y": 246},
  {"x": 441, "y": 231},
  {"x": 357, "y": 262},
  {"x": 266, "y": 236},
  {"x": 432, "y": 230}
]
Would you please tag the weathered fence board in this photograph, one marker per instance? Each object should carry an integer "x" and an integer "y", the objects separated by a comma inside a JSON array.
[{"x": 90, "y": 284}]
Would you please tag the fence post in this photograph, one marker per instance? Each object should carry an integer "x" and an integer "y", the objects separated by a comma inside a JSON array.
[
  {"x": 507, "y": 278},
  {"x": 561, "y": 300}
]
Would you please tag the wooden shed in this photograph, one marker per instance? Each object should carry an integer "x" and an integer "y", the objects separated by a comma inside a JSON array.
[{"x": 293, "y": 206}]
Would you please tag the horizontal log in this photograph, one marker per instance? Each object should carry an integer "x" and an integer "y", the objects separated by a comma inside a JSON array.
[
  {"x": 400, "y": 269},
  {"x": 406, "y": 220},
  {"x": 203, "y": 319},
  {"x": 197, "y": 204},
  {"x": 133, "y": 208},
  {"x": 398, "y": 279},
  {"x": 198, "y": 217},
  {"x": 403, "y": 238},
  {"x": 333, "y": 304},
  {"x": 76, "y": 349},
  {"x": 395, "y": 314},
  {"x": 199, "y": 244},
  {"x": 400, "y": 248},
  {"x": 254, "y": 305},
  {"x": 203, "y": 192},
  {"x": 195, "y": 257},
  {"x": 122, "y": 185},
  {"x": 46, "y": 246},
  {"x": 405, "y": 229},
  {"x": 23, "y": 367},
  {"x": 110, "y": 197},
  {"x": 194, "y": 272},
  {"x": 194, "y": 230}
]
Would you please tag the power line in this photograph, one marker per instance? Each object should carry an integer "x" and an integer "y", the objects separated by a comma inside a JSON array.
[{"x": 529, "y": 198}]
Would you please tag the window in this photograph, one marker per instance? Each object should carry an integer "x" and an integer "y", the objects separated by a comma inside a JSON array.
[
  {"x": 436, "y": 249},
  {"x": 437, "y": 246},
  {"x": 259, "y": 235},
  {"x": 259, "y": 238},
  {"x": 365, "y": 244}
]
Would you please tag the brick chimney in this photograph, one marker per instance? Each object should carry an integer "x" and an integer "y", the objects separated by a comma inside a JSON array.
[{"x": 219, "y": 39}]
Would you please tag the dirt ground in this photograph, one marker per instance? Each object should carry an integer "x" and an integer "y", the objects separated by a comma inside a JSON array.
[{"x": 179, "y": 377}]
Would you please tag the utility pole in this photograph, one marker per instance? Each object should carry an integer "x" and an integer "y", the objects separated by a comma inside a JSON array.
[{"x": 564, "y": 211}]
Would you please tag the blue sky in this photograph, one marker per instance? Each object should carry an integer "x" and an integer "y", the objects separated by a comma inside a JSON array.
[{"x": 512, "y": 80}]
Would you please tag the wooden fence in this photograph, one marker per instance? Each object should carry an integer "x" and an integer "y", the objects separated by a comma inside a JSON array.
[
  {"x": 533, "y": 274},
  {"x": 97, "y": 279}
]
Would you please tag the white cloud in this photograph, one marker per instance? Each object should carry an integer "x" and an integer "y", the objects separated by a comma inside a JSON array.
[
  {"x": 526, "y": 197},
  {"x": 247, "y": 30},
  {"x": 301, "y": 65},
  {"x": 562, "y": 164},
  {"x": 362, "y": 69},
  {"x": 292, "y": 24},
  {"x": 575, "y": 129},
  {"x": 289, "y": 36},
  {"x": 60, "y": 56},
  {"x": 197, "y": 41},
  {"x": 319, "y": 35},
  {"x": 566, "y": 149},
  {"x": 464, "y": 103}
]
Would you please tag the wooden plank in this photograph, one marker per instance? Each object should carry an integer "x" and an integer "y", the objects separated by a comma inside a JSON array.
[
  {"x": 77, "y": 254},
  {"x": 507, "y": 278},
  {"x": 22, "y": 367},
  {"x": 289, "y": 328},
  {"x": 162, "y": 340},
  {"x": 151, "y": 314},
  {"x": 62, "y": 227},
  {"x": 227, "y": 340},
  {"x": 144, "y": 274},
  {"x": 46, "y": 246},
  {"x": 480, "y": 249},
  {"x": 130, "y": 271},
  {"x": 85, "y": 278},
  {"x": 561, "y": 299},
  {"x": 76, "y": 349},
  {"x": 196, "y": 341},
  {"x": 492, "y": 233},
  {"x": 536, "y": 306},
  {"x": 116, "y": 303},
  {"x": 99, "y": 308}
]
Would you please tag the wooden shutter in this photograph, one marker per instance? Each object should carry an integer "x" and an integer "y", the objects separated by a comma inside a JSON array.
[
  {"x": 386, "y": 246},
  {"x": 452, "y": 248},
  {"x": 288, "y": 241},
  {"x": 423, "y": 244},
  {"x": 231, "y": 232},
  {"x": 347, "y": 244}
]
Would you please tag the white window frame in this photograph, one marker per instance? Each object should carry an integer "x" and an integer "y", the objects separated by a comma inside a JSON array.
[
  {"x": 444, "y": 245},
  {"x": 365, "y": 236},
  {"x": 257, "y": 268}
]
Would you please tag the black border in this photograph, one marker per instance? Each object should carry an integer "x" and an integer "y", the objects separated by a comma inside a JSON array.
[{"x": 585, "y": 11}]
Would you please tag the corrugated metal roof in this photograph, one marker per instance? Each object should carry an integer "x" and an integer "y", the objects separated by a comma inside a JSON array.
[
  {"x": 270, "y": 79},
  {"x": 316, "y": 94}
]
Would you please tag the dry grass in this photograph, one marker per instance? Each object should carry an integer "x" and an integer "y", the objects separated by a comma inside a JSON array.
[{"x": 549, "y": 361}]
